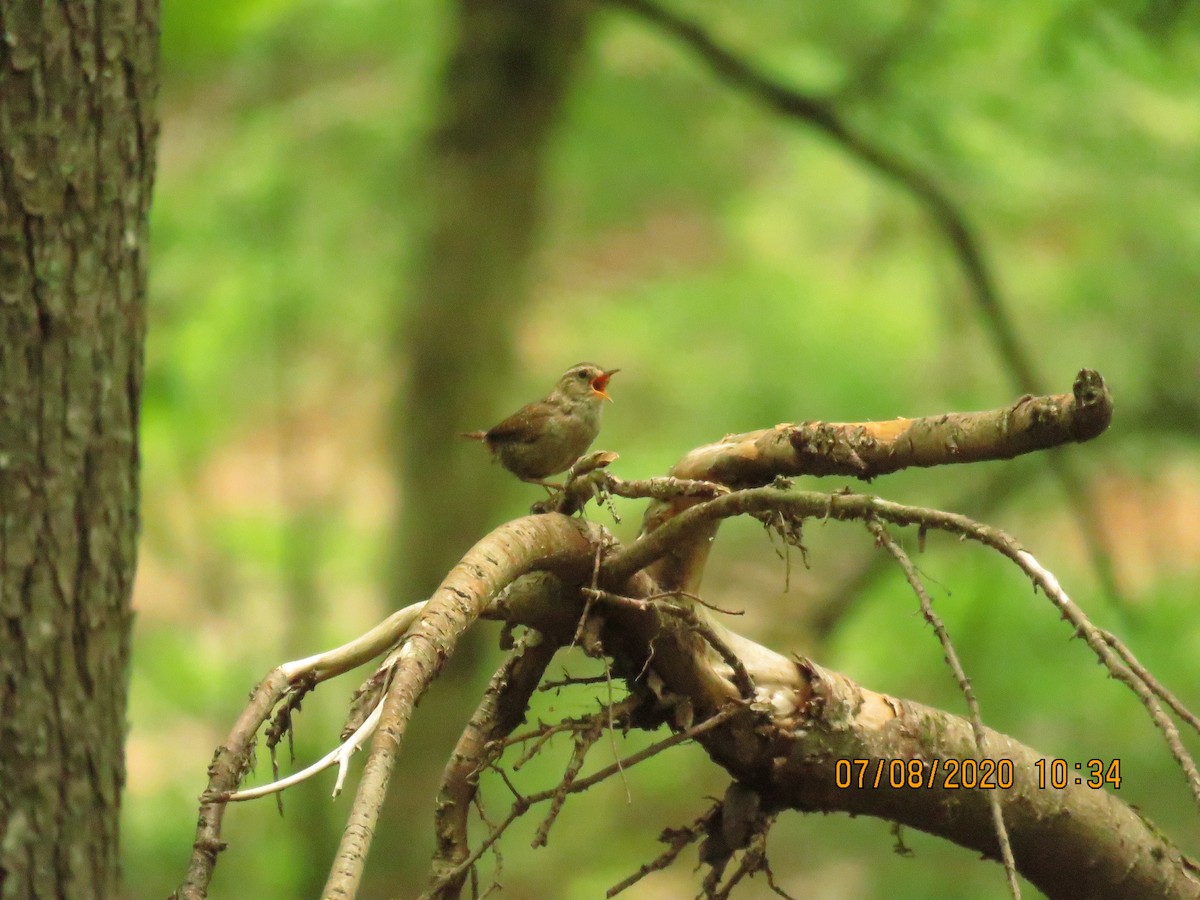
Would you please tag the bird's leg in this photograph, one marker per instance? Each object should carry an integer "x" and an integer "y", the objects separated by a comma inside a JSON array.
[{"x": 550, "y": 486}]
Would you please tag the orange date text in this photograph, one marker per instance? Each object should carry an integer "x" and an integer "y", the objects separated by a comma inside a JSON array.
[{"x": 916, "y": 774}]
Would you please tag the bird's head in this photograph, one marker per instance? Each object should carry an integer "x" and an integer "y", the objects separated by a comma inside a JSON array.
[{"x": 586, "y": 382}]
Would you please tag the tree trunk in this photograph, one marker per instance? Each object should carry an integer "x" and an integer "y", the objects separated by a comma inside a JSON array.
[
  {"x": 503, "y": 85},
  {"x": 502, "y": 93},
  {"x": 77, "y": 136}
]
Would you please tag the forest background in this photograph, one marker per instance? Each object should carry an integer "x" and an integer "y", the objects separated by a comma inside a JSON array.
[{"x": 742, "y": 270}]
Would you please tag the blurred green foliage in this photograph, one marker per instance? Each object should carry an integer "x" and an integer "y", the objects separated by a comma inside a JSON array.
[{"x": 742, "y": 271}]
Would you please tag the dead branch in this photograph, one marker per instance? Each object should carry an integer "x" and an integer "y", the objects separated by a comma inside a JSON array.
[
  {"x": 784, "y": 728},
  {"x": 550, "y": 542},
  {"x": 1070, "y": 843},
  {"x": 501, "y": 709},
  {"x": 523, "y": 803},
  {"x": 676, "y": 839},
  {"x": 964, "y": 684},
  {"x": 702, "y": 519},
  {"x": 233, "y": 759},
  {"x": 948, "y": 217},
  {"x": 867, "y": 450}
]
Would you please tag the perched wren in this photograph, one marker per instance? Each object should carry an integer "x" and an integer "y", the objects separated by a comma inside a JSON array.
[{"x": 546, "y": 437}]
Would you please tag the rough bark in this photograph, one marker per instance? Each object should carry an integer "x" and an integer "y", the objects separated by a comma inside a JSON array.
[
  {"x": 77, "y": 141},
  {"x": 867, "y": 450},
  {"x": 1072, "y": 843}
]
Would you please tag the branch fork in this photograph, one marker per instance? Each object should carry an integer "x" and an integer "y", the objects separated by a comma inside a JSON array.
[{"x": 775, "y": 723}]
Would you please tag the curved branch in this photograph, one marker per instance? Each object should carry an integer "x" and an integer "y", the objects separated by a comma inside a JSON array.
[
  {"x": 352, "y": 654},
  {"x": 949, "y": 219},
  {"x": 699, "y": 520},
  {"x": 548, "y": 541},
  {"x": 1075, "y": 842},
  {"x": 1072, "y": 842},
  {"x": 869, "y": 449},
  {"x": 232, "y": 760}
]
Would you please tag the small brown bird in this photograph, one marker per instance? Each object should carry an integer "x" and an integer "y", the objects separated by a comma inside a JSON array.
[{"x": 546, "y": 437}]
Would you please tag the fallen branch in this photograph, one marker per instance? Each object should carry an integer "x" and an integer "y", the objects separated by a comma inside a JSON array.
[{"x": 785, "y": 728}]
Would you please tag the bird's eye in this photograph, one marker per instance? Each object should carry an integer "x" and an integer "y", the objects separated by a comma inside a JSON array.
[{"x": 582, "y": 375}]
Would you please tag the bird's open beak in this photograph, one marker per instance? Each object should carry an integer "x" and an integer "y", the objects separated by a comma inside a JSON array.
[{"x": 600, "y": 383}]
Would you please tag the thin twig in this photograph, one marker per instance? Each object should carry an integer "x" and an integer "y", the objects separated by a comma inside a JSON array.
[
  {"x": 741, "y": 675},
  {"x": 612, "y": 724},
  {"x": 964, "y": 684},
  {"x": 1125, "y": 673},
  {"x": 584, "y": 741},
  {"x": 570, "y": 681},
  {"x": 523, "y": 802},
  {"x": 544, "y": 732},
  {"x": 847, "y": 506},
  {"x": 1150, "y": 681},
  {"x": 577, "y": 640},
  {"x": 754, "y": 860},
  {"x": 695, "y": 598},
  {"x": 603, "y": 483},
  {"x": 677, "y": 840}
]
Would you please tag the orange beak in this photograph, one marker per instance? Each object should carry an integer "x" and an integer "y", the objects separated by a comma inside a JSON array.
[{"x": 600, "y": 383}]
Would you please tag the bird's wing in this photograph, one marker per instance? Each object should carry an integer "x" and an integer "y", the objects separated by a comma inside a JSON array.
[{"x": 523, "y": 426}]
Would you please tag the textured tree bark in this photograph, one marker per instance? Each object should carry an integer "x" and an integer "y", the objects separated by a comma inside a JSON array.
[
  {"x": 77, "y": 139},
  {"x": 503, "y": 90}
]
